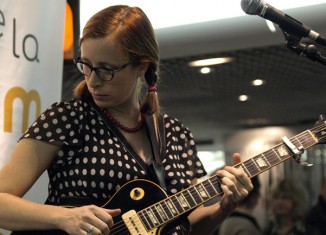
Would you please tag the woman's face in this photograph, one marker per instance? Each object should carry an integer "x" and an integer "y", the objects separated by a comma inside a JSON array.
[
  {"x": 282, "y": 205},
  {"x": 121, "y": 91}
]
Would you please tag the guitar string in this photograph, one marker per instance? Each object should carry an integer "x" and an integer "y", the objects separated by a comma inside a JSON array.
[
  {"x": 270, "y": 156},
  {"x": 119, "y": 228},
  {"x": 248, "y": 166},
  {"x": 214, "y": 180}
]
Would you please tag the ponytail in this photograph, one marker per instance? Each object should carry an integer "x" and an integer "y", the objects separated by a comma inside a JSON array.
[{"x": 151, "y": 103}]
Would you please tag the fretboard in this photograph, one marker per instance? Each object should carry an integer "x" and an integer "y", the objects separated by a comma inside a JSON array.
[{"x": 190, "y": 198}]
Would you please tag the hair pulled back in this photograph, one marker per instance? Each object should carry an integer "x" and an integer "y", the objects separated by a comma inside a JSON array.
[{"x": 129, "y": 29}]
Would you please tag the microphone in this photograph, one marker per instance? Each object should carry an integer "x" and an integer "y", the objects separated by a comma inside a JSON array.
[{"x": 284, "y": 21}]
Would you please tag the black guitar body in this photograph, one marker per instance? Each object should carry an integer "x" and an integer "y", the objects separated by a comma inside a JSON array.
[{"x": 134, "y": 195}]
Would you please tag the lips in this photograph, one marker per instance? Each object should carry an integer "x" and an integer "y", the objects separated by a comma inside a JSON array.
[{"x": 99, "y": 97}]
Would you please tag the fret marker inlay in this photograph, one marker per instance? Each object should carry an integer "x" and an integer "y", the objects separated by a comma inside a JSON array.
[
  {"x": 202, "y": 191},
  {"x": 282, "y": 151},
  {"x": 261, "y": 162}
]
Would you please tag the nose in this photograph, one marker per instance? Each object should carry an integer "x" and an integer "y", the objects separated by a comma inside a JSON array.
[{"x": 93, "y": 80}]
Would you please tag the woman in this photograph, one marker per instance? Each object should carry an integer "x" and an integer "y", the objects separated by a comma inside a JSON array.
[
  {"x": 96, "y": 143},
  {"x": 287, "y": 210}
]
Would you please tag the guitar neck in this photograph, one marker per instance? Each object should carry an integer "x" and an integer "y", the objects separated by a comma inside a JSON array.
[{"x": 190, "y": 198}]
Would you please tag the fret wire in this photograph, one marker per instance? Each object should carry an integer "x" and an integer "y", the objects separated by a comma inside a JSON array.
[
  {"x": 144, "y": 219},
  {"x": 208, "y": 188},
  {"x": 249, "y": 167},
  {"x": 261, "y": 163},
  {"x": 245, "y": 168},
  {"x": 194, "y": 189},
  {"x": 276, "y": 153},
  {"x": 171, "y": 206},
  {"x": 252, "y": 166},
  {"x": 162, "y": 211},
  {"x": 156, "y": 221},
  {"x": 178, "y": 206},
  {"x": 166, "y": 209},
  {"x": 211, "y": 187},
  {"x": 307, "y": 142},
  {"x": 274, "y": 160},
  {"x": 269, "y": 156},
  {"x": 263, "y": 155},
  {"x": 192, "y": 199},
  {"x": 202, "y": 200},
  {"x": 150, "y": 222},
  {"x": 218, "y": 184},
  {"x": 157, "y": 214},
  {"x": 296, "y": 142},
  {"x": 184, "y": 202},
  {"x": 202, "y": 186},
  {"x": 216, "y": 181},
  {"x": 310, "y": 141}
]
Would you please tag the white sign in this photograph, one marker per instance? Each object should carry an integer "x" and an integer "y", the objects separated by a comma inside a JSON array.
[
  {"x": 31, "y": 68},
  {"x": 31, "y": 63}
]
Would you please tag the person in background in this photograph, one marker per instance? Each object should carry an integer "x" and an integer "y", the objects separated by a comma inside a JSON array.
[
  {"x": 287, "y": 210},
  {"x": 241, "y": 221},
  {"x": 98, "y": 142},
  {"x": 316, "y": 216}
]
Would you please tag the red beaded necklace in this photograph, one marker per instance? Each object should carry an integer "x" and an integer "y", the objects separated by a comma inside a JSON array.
[{"x": 122, "y": 127}]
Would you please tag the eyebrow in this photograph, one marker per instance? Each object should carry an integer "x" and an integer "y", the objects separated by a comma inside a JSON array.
[{"x": 101, "y": 64}]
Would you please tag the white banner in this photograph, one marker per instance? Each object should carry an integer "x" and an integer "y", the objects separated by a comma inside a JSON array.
[
  {"x": 31, "y": 68},
  {"x": 31, "y": 63}
]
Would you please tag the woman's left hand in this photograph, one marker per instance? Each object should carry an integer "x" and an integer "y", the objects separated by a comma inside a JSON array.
[{"x": 235, "y": 184}]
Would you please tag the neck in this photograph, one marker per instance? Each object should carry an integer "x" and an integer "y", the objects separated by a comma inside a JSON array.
[
  {"x": 285, "y": 221},
  {"x": 130, "y": 122}
]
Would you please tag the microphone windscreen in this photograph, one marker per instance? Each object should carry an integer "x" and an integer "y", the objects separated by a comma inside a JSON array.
[{"x": 252, "y": 7}]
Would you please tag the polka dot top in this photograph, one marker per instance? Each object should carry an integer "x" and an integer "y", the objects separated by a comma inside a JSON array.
[{"x": 93, "y": 164}]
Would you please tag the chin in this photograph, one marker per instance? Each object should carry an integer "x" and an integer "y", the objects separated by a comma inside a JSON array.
[{"x": 102, "y": 103}]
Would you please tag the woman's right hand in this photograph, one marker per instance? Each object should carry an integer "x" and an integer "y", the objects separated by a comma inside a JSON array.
[{"x": 88, "y": 220}]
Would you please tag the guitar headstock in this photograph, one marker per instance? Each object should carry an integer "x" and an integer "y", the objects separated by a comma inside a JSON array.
[{"x": 319, "y": 130}]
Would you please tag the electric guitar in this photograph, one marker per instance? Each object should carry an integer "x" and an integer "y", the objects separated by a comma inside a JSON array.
[{"x": 146, "y": 208}]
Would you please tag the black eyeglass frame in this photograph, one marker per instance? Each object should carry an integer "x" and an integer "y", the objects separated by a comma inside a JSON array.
[{"x": 97, "y": 69}]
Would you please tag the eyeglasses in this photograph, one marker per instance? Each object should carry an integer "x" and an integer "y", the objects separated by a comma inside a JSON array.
[{"x": 103, "y": 73}]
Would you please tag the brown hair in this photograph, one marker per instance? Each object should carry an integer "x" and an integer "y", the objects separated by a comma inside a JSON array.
[
  {"x": 295, "y": 193},
  {"x": 129, "y": 29}
]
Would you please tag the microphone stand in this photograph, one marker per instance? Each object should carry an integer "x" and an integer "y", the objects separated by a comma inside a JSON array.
[{"x": 309, "y": 51}]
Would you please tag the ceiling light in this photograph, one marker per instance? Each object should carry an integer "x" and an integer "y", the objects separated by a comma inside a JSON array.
[
  {"x": 205, "y": 70},
  {"x": 243, "y": 97},
  {"x": 208, "y": 62},
  {"x": 257, "y": 82}
]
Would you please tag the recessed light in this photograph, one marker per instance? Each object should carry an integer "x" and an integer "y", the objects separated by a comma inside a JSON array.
[
  {"x": 205, "y": 70},
  {"x": 243, "y": 97},
  {"x": 211, "y": 61},
  {"x": 257, "y": 82}
]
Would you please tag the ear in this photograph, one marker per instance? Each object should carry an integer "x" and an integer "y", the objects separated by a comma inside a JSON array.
[{"x": 142, "y": 68}]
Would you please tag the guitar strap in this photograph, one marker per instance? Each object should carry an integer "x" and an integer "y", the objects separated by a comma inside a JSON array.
[
  {"x": 155, "y": 127},
  {"x": 154, "y": 170}
]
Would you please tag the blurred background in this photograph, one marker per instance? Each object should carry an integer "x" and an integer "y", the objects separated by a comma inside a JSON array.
[
  {"x": 259, "y": 91},
  {"x": 255, "y": 93}
]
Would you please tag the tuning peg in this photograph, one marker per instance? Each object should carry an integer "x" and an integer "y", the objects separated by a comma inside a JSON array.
[{"x": 321, "y": 117}]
